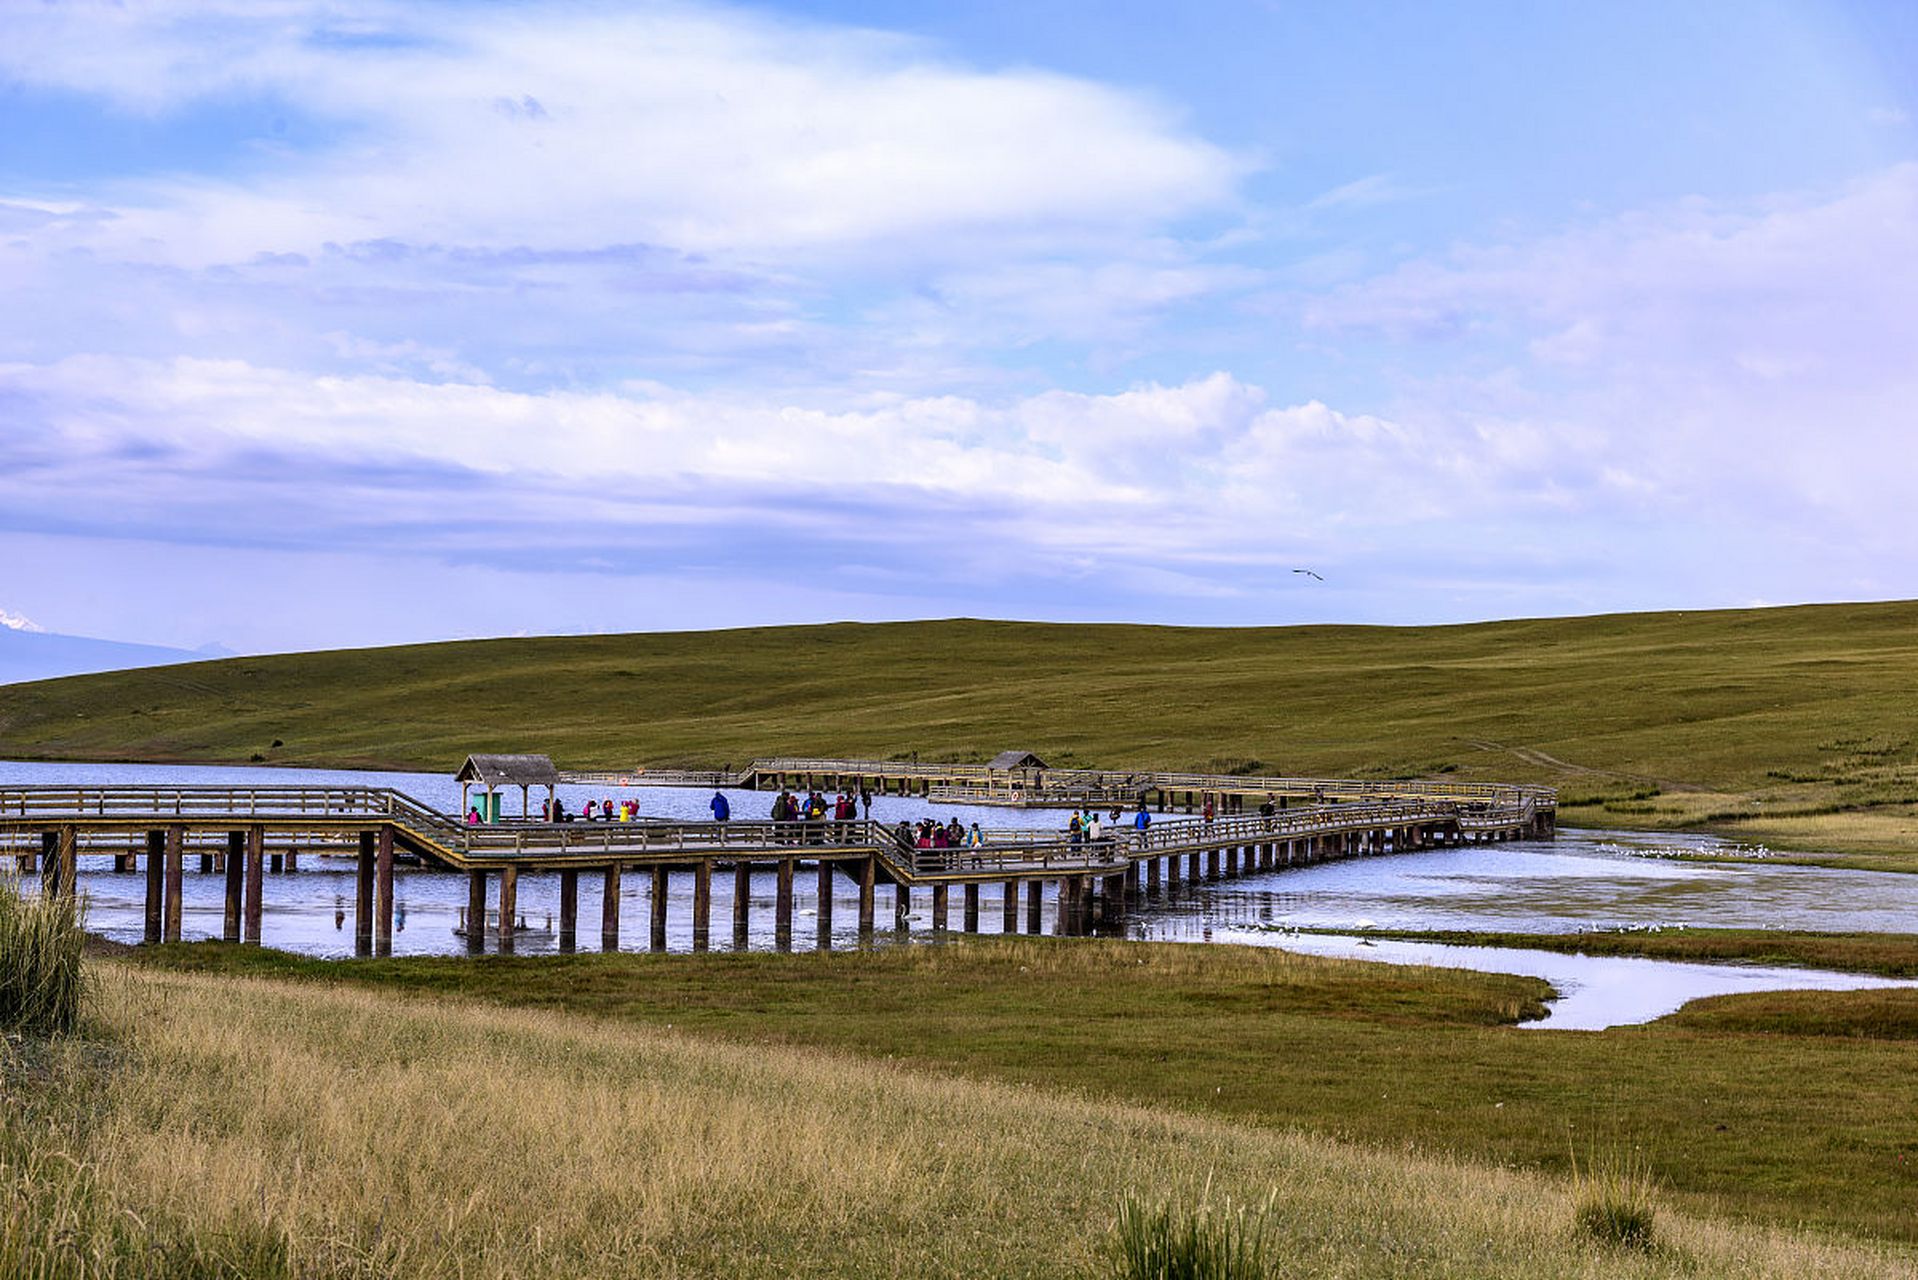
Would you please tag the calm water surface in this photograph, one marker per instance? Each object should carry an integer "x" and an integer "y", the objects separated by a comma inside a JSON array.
[{"x": 1581, "y": 880}]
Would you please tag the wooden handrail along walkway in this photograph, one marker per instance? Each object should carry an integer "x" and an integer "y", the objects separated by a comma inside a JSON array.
[{"x": 240, "y": 832}]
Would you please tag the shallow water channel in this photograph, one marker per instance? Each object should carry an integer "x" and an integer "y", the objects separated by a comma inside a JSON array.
[{"x": 1580, "y": 880}]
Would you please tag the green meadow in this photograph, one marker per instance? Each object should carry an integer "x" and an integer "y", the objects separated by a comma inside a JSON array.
[{"x": 1791, "y": 727}]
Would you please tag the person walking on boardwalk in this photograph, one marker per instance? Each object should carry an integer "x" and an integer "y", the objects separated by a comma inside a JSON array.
[
  {"x": 865, "y": 802},
  {"x": 1095, "y": 831},
  {"x": 722, "y": 808},
  {"x": 1141, "y": 820},
  {"x": 975, "y": 838},
  {"x": 1208, "y": 813},
  {"x": 1076, "y": 829}
]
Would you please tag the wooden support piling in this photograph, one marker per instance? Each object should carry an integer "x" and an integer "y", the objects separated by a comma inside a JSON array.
[
  {"x": 1035, "y": 906},
  {"x": 508, "y": 909},
  {"x": 1212, "y": 864},
  {"x": 609, "y": 908},
  {"x": 656, "y": 937},
  {"x": 971, "y": 917},
  {"x": 1172, "y": 872},
  {"x": 901, "y": 906},
  {"x": 475, "y": 911},
  {"x": 175, "y": 881},
  {"x": 783, "y": 905},
  {"x": 1009, "y": 908},
  {"x": 702, "y": 903},
  {"x": 383, "y": 891},
  {"x": 276, "y": 863},
  {"x": 254, "y": 907},
  {"x": 824, "y": 895},
  {"x": 742, "y": 901},
  {"x": 868, "y": 877},
  {"x": 941, "y": 902},
  {"x": 363, "y": 897},
  {"x": 568, "y": 910},
  {"x": 156, "y": 879},
  {"x": 1191, "y": 866},
  {"x": 49, "y": 863},
  {"x": 1152, "y": 875},
  {"x": 235, "y": 867}
]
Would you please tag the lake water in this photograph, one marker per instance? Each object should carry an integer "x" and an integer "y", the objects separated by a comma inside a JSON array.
[{"x": 1582, "y": 880}]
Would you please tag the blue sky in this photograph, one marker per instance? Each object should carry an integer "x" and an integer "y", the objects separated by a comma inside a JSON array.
[{"x": 341, "y": 322}]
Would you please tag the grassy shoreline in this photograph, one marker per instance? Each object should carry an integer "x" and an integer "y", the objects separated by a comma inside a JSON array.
[
  {"x": 1389, "y": 1058},
  {"x": 262, "y": 1127},
  {"x": 1887, "y": 955}
]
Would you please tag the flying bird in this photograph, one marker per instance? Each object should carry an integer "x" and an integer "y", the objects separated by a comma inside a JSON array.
[{"x": 1308, "y": 573}]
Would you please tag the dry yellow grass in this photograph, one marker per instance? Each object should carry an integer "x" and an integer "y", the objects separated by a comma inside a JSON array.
[{"x": 308, "y": 1130}]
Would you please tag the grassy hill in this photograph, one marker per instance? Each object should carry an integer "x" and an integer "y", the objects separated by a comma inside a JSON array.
[{"x": 1787, "y": 725}]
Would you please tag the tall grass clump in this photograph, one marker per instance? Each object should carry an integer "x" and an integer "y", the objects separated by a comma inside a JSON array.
[
  {"x": 41, "y": 981},
  {"x": 1614, "y": 1199},
  {"x": 1171, "y": 1240}
]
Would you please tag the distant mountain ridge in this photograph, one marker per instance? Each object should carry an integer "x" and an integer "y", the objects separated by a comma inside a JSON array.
[{"x": 29, "y": 653}]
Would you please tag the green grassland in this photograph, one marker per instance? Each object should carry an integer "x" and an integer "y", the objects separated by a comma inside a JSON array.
[
  {"x": 1769, "y": 1109},
  {"x": 981, "y": 1109},
  {"x": 1793, "y": 726}
]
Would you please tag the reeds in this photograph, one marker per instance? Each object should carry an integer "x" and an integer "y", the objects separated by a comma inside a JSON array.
[
  {"x": 1614, "y": 1199},
  {"x": 42, "y": 983},
  {"x": 1174, "y": 1239}
]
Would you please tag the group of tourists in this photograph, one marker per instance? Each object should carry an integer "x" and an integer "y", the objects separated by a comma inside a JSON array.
[
  {"x": 930, "y": 833},
  {"x": 803, "y": 821}
]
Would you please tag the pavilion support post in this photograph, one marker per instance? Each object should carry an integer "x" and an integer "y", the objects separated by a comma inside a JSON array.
[
  {"x": 383, "y": 889},
  {"x": 363, "y": 896},
  {"x": 783, "y": 906},
  {"x": 1035, "y": 906},
  {"x": 971, "y": 918},
  {"x": 868, "y": 876},
  {"x": 235, "y": 884},
  {"x": 254, "y": 906},
  {"x": 175, "y": 881},
  {"x": 568, "y": 910},
  {"x": 656, "y": 935},
  {"x": 941, "y": 904},
  {"x": 609, "y": 908},
  {"x": 476, "y": 911},
  {"x": 1009, "y": 908},
  {"x": 156, "y": 879},
  {"x": 702, "y": 903},
  {"x": 508, "y": 908}
]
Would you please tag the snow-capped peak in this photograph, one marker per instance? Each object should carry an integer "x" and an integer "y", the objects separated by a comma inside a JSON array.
[{"x": 14, "y": 622}]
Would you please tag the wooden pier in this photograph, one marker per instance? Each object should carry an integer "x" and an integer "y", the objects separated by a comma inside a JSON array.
[{"x": 241, "y": 833}]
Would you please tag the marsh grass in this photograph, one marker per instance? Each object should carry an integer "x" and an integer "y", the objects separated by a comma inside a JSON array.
[
  {"x": 1615, "y": 1198},
  {"x": 42, "y": 976},
  {"x": 1184, "y": 1238},
  {"x": 259, "y": 1127}
]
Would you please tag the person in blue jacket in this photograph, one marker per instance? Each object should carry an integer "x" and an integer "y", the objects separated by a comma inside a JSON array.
[
  {"x": 721, "y": 809},
  {"x": 1142, "y": 819}
]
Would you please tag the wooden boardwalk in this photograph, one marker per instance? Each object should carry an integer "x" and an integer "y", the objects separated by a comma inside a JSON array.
[
  {"x": 245, "y": 833},
  {"x": 1041, "y": 786}
]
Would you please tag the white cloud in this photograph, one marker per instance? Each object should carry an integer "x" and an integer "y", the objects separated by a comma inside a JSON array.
[{"x": 705, "y": 130}]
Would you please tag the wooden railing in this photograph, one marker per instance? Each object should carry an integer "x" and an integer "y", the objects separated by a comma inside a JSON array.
[
  {"x": 1010, "y": 850},
  {"x": 964, "y": 781}
]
